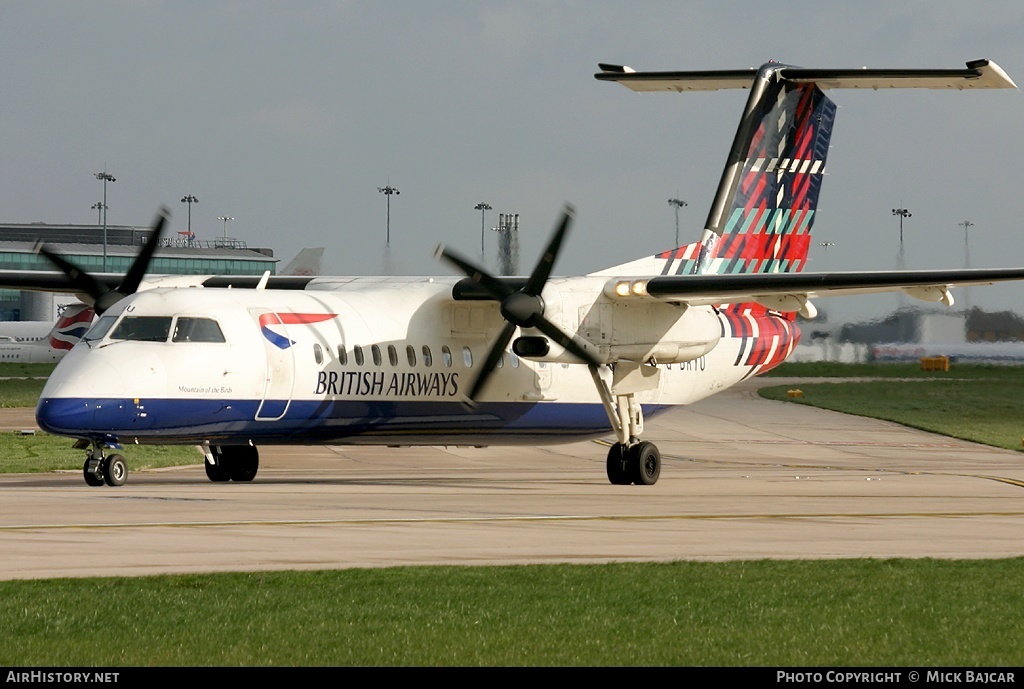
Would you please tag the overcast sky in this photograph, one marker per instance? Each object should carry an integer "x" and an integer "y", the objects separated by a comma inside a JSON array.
[{"x": 288, "y": 116}]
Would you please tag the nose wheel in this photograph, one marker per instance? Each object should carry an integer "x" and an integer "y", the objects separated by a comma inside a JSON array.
[{"x": 101, "y": 470}]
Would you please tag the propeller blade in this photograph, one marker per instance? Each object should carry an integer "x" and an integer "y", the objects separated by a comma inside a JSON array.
[
  {"x": 520, "y": 307},
  {"x": 497, "y": 288},
  {"x": 76, "y": 276},
  {"x": 542, "y": 271},
  {"x": 497, "y": 349},
  {"x": 556, "y": 334},
  {"x": 102, "y": 296},
  {"x": 133, "y": 278}
]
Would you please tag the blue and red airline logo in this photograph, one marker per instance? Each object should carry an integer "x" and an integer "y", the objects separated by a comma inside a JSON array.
[
  {"x": 268, "y": 320},
  {"x": 71, "y": 326}
]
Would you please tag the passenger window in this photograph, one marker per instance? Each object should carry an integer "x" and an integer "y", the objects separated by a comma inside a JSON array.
[
  {"x": 410, "y": 354},
  {"x": 188, "y": 329},
  {"x": 375, "y": 351},
  {"x": 342, "y": 355},
  {"x": 318, "y": 353},
  {"x": 501, "y": 361},
  {"x": 513, "y": 359},
  {"x": 467, "y": 356},
  {"x": 446, "y": 356},
  {"x": 428, "y": 360},
  {"x": 358, "y": 352},
  {"x": 143, "y": 329},
  {"x": 392, "y": 355}
]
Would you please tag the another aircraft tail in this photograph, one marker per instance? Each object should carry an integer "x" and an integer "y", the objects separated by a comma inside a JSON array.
[
  {"x": 306, "y": 262},
  {"x": 71, "y": 326}
]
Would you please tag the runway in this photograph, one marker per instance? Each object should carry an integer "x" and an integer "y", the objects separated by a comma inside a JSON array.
[{"x": 742, "y": 478}]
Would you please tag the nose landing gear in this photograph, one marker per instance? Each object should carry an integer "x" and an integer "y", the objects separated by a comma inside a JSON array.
[{"x": 100, "y": 469}]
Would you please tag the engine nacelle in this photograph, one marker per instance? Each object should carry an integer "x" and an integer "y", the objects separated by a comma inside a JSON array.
[{"x": 537, "y": 348}]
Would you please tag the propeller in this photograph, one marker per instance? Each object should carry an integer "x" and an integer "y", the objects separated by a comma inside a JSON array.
[
  {"x": 521, "y": 308},
  {"x": 102, "y": 296}
]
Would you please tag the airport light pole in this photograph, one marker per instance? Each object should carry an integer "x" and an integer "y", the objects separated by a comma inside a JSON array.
[
  {"x": 483, "y": 208},
  {"x": 902, "y": 213},
  {"x": 99, "y": 207},
  {"x": 677, "y": 203},
  {"x": 966, "y": 224},
  {"x": 826, "y": 245},
  {"x": 388, "y": 191},
  {"x": 104, "y": 177},
  {"x": 189, "y": 199},
  {"x": 225, "y": 219}
]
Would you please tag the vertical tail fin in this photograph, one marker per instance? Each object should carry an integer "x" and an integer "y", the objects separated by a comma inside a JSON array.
[
  {"x": 764, "y": 209},
  {"x": 71, "y": 326}
]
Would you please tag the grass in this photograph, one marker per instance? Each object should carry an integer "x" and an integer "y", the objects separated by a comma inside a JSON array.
[
  {"x": 26, "y": 454},
  {"x": 20, "y": 392},
  {"x": 8, "y": 370},
  {"x": 981, "y": 404},
  {"x": 851, "y": 613},
  {"x": 825, "y": 369}
]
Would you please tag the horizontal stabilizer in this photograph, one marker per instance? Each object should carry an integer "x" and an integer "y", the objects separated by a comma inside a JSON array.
[{"x": 979, "y": 74}]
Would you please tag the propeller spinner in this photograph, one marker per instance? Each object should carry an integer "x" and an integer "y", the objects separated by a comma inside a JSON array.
[
  {"x": 521, "y": 308},
  {"x": 102, "y": 296}
]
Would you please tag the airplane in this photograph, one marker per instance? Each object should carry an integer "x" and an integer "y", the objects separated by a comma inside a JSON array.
[
  {"x": 23, "y": 344},
  {"x": 234, "y": 363}
]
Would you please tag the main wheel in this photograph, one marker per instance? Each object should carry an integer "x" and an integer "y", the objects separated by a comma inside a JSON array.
[
  {"x": 646, "y": 464},
  {"x": 215, "y": 471},
  {"x": 617, "y": 465},
  {"x": 115, "y": 470},
  {"x": 91, "y": 477},
  {"x": 244, "y": 466}
]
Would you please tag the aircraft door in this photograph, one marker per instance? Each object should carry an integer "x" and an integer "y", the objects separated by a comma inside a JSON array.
[{"x": 279, "y": 378}]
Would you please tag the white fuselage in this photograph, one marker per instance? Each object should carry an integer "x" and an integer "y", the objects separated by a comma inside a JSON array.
[{"x": 361, "y": 360}]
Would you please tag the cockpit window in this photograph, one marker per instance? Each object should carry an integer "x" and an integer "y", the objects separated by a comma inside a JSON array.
[
  {"x": 101, "y": 328},
  {"x": 143, "y": 329},
  {"x": 189, "y": 329}
]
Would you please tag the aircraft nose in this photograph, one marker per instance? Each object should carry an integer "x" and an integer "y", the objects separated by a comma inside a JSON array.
[
  {"x": 76, "y": 397},
  {"x": 64, "y": 416}
]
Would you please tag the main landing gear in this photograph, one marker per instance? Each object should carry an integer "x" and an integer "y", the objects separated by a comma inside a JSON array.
[
  {"x": 103, "y": 469},
  {"x": 639, "y": 463},
  {"x": 231, "y": 462},
  {"x": 630, "y": 460}
]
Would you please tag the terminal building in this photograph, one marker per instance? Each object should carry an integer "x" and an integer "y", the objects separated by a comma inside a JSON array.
[{"x": 90, "y": 247}]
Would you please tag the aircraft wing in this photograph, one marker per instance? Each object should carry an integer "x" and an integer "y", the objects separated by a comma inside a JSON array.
[
  {"x": 788, "y": 291},
  {"x": 46, "y": 281}
]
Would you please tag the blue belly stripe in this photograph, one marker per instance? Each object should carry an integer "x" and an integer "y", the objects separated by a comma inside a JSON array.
[{"x": 173, "y": 421}]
